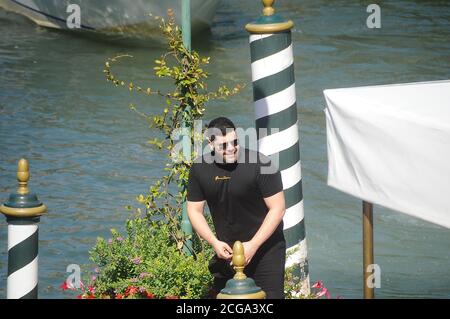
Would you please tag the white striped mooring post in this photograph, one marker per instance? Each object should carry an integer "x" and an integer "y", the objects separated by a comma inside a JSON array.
[
  {"x": 272, "y": 63},
  {"x": 22, "y": 211}
]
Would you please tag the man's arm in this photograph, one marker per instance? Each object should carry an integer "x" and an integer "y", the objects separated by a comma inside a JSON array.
[
  {"x": 276, "y": 206},
  {"x": 199, "y": 223}
]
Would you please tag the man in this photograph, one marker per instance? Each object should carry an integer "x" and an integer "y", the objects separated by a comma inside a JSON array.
[{"x": 246, "y": 204}]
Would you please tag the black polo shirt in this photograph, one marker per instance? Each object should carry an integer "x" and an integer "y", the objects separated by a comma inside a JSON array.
[{"x": 235, "y": 194}]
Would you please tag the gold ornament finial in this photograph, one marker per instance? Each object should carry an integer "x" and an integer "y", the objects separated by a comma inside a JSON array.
[
  {"x": 23, "y": 175},
  {"x": 239, "y": 260},
  {"x": 267, "y": 24},
  {"x": 14, "y": 207},
  {"x": 268, "y": 10}
]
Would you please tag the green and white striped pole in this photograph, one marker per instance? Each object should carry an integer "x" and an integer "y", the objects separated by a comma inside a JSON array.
[
  {"x": 22, "y": 211},
  {"x": 272, "y": 64}
]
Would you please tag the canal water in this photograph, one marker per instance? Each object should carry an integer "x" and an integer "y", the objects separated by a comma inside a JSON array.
[{"x": 89, "y": 155}]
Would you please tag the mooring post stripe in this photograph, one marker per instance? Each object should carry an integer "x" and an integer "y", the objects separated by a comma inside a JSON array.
[
  {"x": 295, "y": 234},
  {"x": 272, "y": 64},
  {"x": 277, "y": 142},
  {"x": 22, "y": 281},
  {"x": 15, "y": 237},
  {"x": 32, "y": 294},
  {"x": 268, "y": 44},
  {"x": 275, "y": 103},
  {"x": 293, "y": 215},
  {"x": 273, "y": 79},
  {"x": 293, "y": 194},
  {"x": 273, "y": 83},
  {"x": 277, "y": 121},
  {"x": 24, "y": 252}
]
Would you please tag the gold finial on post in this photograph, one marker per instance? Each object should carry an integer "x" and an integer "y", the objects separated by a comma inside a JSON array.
[
  {"x": 239, "y": 260},
  {"x": 268, "y": 9},
  {"x": 269, "y": 22},
  {"x": 240, "y": 287},
  {"x": 23, "y": 175},
  {"x": 23, "y": 204}
]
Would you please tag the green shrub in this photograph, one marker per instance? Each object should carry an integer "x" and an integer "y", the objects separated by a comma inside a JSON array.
[{"x": 148, "y": 259}]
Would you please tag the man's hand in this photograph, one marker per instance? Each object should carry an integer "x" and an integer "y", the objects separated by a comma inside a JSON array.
[
  {"x": 250, "y": 249},
  {"x": 222, "y": 249}
]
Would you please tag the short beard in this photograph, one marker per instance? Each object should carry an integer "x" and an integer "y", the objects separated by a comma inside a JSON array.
[{"x": 221, "y": 159}]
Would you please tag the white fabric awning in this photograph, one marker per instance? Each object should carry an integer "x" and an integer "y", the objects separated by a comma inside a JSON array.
[{"x": 390, "y": 145}]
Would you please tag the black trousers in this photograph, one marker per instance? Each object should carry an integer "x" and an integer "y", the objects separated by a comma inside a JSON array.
[{"x": 266, "y": 268}]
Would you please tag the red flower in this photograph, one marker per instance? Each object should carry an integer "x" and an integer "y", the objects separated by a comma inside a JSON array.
[
  {"x": 172, "y": 297},
  {"x": 150, "y": 295},
  {"x": 119, "y": 296},
  {"x": 90, "y": 296},
  {"x": 318, "y": 285},
  {"x": 69, "y": 285},
  {"x": 64, "y": 286},
  {"x": 80, "y": 297},
  {"x": 91, "y": 289},
  {"x": 131, "y": 290}
]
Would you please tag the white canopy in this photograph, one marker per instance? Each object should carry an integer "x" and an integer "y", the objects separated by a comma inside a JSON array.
[{"x": 390, "y": 145}]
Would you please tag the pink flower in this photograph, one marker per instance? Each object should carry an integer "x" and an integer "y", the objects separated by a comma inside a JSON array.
[
  {"x": 119, "y": 296},
  {"x": 318, "y": 285},
  {"x": 324, "y": 292},
  {"x": 91, "y": 289}
]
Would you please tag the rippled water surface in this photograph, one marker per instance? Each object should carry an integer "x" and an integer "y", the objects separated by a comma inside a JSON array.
[{"x": 89, "y": 155}]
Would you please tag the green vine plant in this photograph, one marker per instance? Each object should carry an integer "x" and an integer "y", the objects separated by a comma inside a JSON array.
[{"x": 183, "y": 105}]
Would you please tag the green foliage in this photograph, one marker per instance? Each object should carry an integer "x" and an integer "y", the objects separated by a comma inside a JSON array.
[
  {"x": 292, "y": 284},
  {"x": 294, "y": 287},
  {"x": 147, "y": 258}
]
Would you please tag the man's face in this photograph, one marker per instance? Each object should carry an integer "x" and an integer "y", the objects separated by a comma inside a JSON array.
[{"x": 226, "y": 147}]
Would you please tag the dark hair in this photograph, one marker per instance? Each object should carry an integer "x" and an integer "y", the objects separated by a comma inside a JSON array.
[{"x": 221, "y": 123}]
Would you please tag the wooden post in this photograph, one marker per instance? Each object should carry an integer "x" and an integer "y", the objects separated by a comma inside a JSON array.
[{"x": 369, "y": 292}]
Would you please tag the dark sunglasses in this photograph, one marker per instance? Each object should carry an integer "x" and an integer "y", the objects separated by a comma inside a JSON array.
[{"x": 223, "y": 146}]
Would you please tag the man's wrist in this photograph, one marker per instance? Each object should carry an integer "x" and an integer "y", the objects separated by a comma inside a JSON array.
[
  {"x": 213, "y": 241},
  {"x": 255, "y": 243}
]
